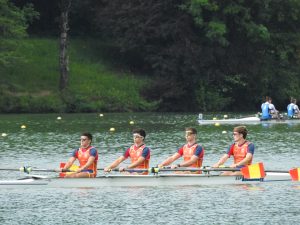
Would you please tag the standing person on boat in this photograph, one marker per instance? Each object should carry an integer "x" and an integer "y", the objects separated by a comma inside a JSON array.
[
  {"x": 192, "y": 152},
  {"x": 242, "y": 151},
  {"x": 138, "y": 153},
  {"x": 293, "y": 109},
  {"x": 87, "y": 156}
]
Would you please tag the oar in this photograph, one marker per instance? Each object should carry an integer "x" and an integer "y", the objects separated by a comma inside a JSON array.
[
  {"x": 10, "y": 169},
  {"x": 27, "y": 169},
  {"x": 169, "y": 169},
  {"x": 254, "y": 171},
  {"x": 295, "y": 174}
]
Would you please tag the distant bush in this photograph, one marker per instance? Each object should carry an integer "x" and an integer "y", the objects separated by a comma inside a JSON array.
[{"x": 32, "y": 86}]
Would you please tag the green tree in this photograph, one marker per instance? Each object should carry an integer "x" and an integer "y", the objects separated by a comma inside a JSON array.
[{"x": 13, "y": 24}]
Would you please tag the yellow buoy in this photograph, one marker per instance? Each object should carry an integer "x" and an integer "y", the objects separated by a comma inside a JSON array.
[
  {"x": 214, "y": 118},
  {"x": 224, "y": 132},
  {"x": 112, "y": 129},
  {"x": 59, "y": 118},
  {"x": 4, "y": 134},
  {"x": 131, "y": 122},
  {"x": 217, "y": 124},
  {"x": 23, "y": 126},
  {"x": 101, "y": 115},
  {"x": 225, "y": 116}
]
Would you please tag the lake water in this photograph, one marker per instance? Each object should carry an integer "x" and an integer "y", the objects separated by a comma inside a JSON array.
[{"x": 47, "y": 141}]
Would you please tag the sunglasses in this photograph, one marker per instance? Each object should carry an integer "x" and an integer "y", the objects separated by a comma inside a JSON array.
[{"x": 137, "y": 136}]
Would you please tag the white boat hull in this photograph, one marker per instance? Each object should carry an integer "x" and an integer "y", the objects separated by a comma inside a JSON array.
[
  {"x": 140, "y": 180},
  {"x": 247, "y": 120}
]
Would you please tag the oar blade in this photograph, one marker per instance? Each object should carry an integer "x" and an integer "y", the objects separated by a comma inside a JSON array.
[
  {"x": 295, "y": 174},
  {"x": 72, "y": 168},
  {"x": 254, "y": 171}
]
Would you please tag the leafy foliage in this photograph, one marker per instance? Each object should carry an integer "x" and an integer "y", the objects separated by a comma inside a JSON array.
[
  {"x": 13, "y": 25},
  {"x": 237, "y": 51},
  {"x": 206, "y": 55}
]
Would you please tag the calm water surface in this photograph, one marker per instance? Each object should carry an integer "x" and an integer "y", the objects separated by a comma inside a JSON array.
[{"x": 46, "y": 141}]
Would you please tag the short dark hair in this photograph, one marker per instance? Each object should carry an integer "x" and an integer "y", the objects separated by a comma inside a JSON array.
[
  {"x": 140, "y": 132},
  {"x": 242, "y": 130},
  {"x": 191, "y": 130},
  {"x": 87, "y": 134}
]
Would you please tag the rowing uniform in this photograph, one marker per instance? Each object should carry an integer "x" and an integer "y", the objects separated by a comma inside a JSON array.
[
  {"x": 272, "y": 108},
  {"x": 135, "y": 152},
  {"x": 291, "y": 110},
  {"x": 296, "y": 108},
  {"x": 187, "y": 151},
  {"x": 265, "y": 110},
  {"x": 239, "y": 152},
  {"x": 83, "y": 155}
]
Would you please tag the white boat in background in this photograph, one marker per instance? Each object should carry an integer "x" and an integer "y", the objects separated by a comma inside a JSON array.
[
  {"x": 139, "y": 180},
  {"x": 245, "y": 120}
]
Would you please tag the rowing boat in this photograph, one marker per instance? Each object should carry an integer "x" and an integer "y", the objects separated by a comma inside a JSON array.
[
  {"x": 247, "y": 120},
  {"x": 166, "y": 179}
]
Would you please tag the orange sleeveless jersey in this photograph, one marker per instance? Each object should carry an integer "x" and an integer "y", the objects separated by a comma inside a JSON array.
[
  {"x": 135, "y": 154},
  {"x": 239, "y": 152},
  {"x": 83, "y": 157}
]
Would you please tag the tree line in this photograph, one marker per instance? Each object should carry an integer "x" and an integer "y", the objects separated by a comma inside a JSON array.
[{"x": 206, "y": 55}]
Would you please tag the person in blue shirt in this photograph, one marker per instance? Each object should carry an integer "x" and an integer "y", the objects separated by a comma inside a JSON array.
[
  {"x": 273, "y": 111},
  {"x": 265, "y": 110},
  {"x": 293, "y": 109},
  {"x": 268, "y": 110}
]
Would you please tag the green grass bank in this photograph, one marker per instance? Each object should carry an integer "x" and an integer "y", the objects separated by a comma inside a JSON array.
[{"x": 31, "y": 85}]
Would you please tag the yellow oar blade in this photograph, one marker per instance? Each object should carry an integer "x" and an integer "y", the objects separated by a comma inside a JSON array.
[{"x": 254, "y": 171}]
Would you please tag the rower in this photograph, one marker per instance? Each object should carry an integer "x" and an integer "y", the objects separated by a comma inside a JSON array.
[
  {"x": 87, "y": 156},
  {"x": 241, "y": 150},
  {"x": 138, "y": 153},
  {"x": 192, "y": 153},
  {"x": 268, "y": 110},
  {"x": 293, "y": 109},
  {"x": 273, "y": 111}
]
